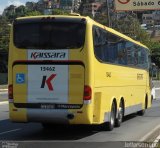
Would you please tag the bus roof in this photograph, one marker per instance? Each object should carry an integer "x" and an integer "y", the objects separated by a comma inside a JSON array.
[{"x": 89, "y": 20}]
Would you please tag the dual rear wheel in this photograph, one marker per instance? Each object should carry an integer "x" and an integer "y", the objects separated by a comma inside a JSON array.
[
  {"x": 120, "y": 115},
  {"x": 113, "y": 121}
]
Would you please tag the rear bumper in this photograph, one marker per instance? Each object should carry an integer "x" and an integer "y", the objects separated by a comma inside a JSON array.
[
  {"x": 58, "y": 116},
  {"x": 47, "y": 115}
]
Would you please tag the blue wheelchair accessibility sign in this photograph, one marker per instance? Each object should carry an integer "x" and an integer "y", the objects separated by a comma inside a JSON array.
[{"x": 20, "y": 78}]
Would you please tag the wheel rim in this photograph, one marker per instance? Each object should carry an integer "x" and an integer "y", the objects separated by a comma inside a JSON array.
[
  {"x": 113, "y": 115},
  {"x": 120, "y": 115}
]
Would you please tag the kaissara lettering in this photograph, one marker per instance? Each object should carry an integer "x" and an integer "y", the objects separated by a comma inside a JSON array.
[{"x": 45, "y": 55}]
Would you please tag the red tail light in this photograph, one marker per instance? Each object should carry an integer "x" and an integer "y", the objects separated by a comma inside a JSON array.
[
  {"x": 87, "y": 93},
  {"x": 10, "y": 92}
]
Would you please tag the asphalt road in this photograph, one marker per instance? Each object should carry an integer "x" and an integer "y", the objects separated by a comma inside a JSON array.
[
  {"x": 132, "y": 129},
  {"x": 3, "y": 96}
]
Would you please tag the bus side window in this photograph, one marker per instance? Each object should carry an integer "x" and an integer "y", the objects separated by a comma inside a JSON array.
[
  {"x": 142, "y": 58},
  {"x": 121, "y": 53},
  {"x": 130, "y": 50},
  {"x": 96, "y": 36},
  {"x": 99, "y": 41}
]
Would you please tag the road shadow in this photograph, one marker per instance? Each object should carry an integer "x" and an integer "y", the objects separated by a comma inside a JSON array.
[
  {"x": 129, "y": 117},
  {"x": 34, "y": 131}
]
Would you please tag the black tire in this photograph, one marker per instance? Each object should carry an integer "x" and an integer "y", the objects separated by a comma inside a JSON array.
[
  {"x": 110, "y": 125},
  {"x": 151, "y": 99},
  {"x": 142, "y": 112},
  {"x": 120, "y": 115}
]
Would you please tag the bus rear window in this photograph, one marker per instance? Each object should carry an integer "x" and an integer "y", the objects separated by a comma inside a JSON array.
[{"x": 49, "y": 35}]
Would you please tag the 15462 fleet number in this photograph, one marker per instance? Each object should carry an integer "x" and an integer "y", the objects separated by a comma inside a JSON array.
[{"x": 44, "y": 68}]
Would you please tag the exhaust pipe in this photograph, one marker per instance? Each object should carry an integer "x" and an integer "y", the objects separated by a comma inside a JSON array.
[{"x": 70, "y": 116}]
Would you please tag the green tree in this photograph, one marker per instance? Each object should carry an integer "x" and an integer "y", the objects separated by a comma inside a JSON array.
[
  {"x": 101, "y": 19},
  {"x": 33, "y": 13},
  {"x": 4, "y": 34},
  {"x": 155, "y": 52},
  {"x": 20, "y": 11},
  {"x": 10, "y": 14},
  {"x": 59, "y": 12}
]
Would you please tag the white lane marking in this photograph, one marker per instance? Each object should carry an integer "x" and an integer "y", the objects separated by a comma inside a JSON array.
[
  {"x": 157, "y": 88},
  {"x": 4, "y": 102},
  {"x": 156, "y": 142},
  {"x": 144, "y": 138},
  {"x": 10, "y": 131}
]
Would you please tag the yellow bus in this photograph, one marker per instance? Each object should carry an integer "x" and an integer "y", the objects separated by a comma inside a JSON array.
[{"x": 73, "y": 70}]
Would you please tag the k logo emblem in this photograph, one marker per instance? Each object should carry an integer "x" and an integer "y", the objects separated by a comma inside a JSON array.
[{"x": 47, "y": 81}]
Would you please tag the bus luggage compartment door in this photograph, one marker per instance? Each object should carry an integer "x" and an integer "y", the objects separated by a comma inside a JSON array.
[{"x": 54, "y": 83}]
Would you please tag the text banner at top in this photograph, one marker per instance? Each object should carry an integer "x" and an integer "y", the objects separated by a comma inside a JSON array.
[{"x": 136, "y": 5}]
